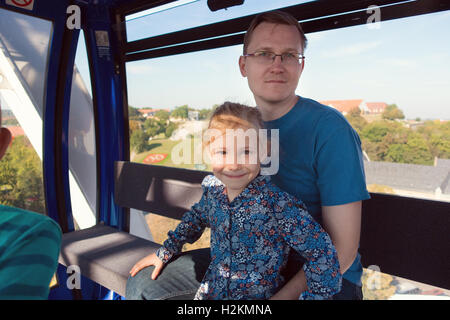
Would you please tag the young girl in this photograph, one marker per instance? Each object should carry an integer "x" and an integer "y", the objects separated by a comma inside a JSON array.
[{"x": 253, "y": 222}]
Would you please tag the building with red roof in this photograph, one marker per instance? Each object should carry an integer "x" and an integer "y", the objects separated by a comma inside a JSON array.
[
  {"x": 345, "y": 106},
  {"x": 375, "y": 107},
  {"x": 149, "y": 113}
]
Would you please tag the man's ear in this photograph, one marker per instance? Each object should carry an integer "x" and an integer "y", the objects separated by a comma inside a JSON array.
[
  {"x": 242, "y": 66},
  {"x": 5, "y": 139}
]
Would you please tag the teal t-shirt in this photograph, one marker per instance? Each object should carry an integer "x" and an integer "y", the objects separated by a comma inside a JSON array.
[
  {"x": 29, "y": 249},
  {"x": 320, "y": 161}
]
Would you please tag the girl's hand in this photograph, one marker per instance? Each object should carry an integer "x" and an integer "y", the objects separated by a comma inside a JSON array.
[{"x": 150, "y": 260}]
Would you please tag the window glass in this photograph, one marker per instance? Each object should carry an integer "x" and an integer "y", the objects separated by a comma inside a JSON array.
[
  {"x": 28, "y": 53},
  {"x": 82, "y": 150},
  {"x": 168, "y": 114},
  {"x": 23, "y": 68},
  {"x": 390, "y": 82}
]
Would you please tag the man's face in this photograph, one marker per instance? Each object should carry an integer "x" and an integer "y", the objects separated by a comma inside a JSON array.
[{"x": 275, "y": 82}]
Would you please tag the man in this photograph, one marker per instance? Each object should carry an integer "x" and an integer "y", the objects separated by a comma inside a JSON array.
[
  {"x": 29, "y": 248},
  {"x": 320, "y": 154},
  {"x": 320, "y": 163}
]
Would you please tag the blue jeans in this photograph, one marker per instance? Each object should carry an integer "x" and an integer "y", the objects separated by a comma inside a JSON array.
[{"x": 181, "y": 278}]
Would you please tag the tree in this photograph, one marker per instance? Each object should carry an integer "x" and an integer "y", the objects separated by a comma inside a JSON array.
[
  {"x": 204, "y": 114},
  {"x": 376, "y": 130},
  {"x": 139, "y": 141},
  {"x": 356, "y": 120},
  {"x": 440, "y": 146},
  {"x": 437, "y": 135},
  {"x": 134, "y": 125},
  {"x": 154, "y": 127},
  {"x": 170, "y": 129},
  {"x": 414, "y": 151},
  {"x": 21, "y": 177},
  {"x": 133, "y": 112},
  {"x": 162, "y": 115},
  {"x": 8, "y": 180},
  {"x": 181, "y": 112},
  {"x": 392, "y": 112}
]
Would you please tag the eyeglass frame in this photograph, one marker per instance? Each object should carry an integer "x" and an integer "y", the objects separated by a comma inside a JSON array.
[{"x": 301, "y": 56}]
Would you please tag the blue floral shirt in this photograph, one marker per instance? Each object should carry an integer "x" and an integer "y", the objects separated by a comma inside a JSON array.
[{"x": 250, "y": 241}]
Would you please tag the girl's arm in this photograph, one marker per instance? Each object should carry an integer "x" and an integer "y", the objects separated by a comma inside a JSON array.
[
  {"x": 189, "y": 230},
  {"x": 304, "y": 234},
  {"x": 344, "y": 233}
]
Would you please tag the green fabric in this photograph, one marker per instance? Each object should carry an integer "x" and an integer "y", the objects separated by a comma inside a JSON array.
[{"x": 29, "y": 249}]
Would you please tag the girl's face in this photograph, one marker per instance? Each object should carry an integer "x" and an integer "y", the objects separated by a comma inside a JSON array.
[{"x": 234, "y": 158}]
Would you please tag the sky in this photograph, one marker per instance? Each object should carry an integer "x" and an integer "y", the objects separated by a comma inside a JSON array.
[{"x": 403, "y": 61}]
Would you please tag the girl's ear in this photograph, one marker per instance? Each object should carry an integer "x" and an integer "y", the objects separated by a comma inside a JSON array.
[{"x": 5, "y": 139}]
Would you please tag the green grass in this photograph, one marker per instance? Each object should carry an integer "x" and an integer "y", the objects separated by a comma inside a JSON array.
[{"x": 160, "y": 145}]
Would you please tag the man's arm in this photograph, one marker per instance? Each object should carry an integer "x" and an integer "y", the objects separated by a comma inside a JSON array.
[{"x": 343, "y": 224}]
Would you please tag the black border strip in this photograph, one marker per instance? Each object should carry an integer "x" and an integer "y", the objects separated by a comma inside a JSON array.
[{"x": 335, "y": 17}]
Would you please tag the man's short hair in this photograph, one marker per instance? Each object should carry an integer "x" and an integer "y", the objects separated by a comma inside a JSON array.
[{"x": 277, "y": 17}]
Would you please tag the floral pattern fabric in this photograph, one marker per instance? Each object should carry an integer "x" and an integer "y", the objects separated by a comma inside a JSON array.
[{"x": 250, "y": 241}]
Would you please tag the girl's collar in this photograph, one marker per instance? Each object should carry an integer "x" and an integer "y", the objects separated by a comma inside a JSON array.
[{"x": 255, "y": 184}]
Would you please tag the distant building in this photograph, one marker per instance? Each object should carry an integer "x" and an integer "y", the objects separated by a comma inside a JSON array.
[
  {"x": 150, "y": 113},
  {"x": 413, "y": 125},
  {"x": 345, "y": 106},
  {"x": 193, "y": 115},
  {"x": 375, "y": 107},
  {"x": 410, "y": 177}
]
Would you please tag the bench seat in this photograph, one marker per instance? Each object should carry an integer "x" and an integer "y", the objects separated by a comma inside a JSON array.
[{"x": 105, "y": 254}]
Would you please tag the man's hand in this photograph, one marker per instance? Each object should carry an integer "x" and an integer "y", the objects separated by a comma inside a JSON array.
[{"x": 150, "y": 260}]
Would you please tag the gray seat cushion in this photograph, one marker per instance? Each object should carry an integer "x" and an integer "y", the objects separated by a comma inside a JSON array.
[{"x": 104, "y": 254}]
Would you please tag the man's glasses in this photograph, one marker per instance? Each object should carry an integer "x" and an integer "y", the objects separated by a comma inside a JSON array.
[{"x": 267, "y": 57}]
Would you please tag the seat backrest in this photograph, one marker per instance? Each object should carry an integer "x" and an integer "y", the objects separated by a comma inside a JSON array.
[
  {"x": 166, "y": 191},
  {"x": 407, "y": 237}
]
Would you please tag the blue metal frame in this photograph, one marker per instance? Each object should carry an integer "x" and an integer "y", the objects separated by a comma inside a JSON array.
[
  {"x": 109, "y": 110},
  {"x": 56, "y": 122}
]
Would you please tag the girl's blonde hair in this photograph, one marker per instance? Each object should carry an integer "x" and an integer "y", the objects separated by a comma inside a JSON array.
[{"x": 232, "y": 115}]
